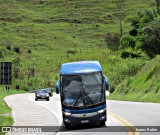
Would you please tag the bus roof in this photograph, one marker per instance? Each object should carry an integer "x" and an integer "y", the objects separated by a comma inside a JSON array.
[{"x": 80, "y": 67}]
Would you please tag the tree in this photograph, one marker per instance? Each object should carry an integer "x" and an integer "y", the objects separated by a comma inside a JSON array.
[
  {"x": 143, "y": 17},
  {"x": 127, "y": 41},
  {"x": 145, "y": 32},
  {"x": 120, "y": 4},
  {"x": 158, "y": 5},
  {"x": 151, "y": 40}
]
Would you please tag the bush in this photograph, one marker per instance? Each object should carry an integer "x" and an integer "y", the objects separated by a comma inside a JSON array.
[
  {"x": 158, "y": 5},
  {"x": 127, "y": 54},
  {"x": 134, "y": 20},
  {"x": 145, "y": 34},
  {"x": 142, "y": 18},
  {"x": 127, "y": 41},
  {"x": 16, "y": 49},
  {"x": 111, "y": 90},
  {"x": 8, "y": 47},
  {"x": 16, "y": 61},
  {"x": 71, "y": 52},
  {"x": 112, "y": 40},
  {"x": 124, "y": 69},
  {"x": 133, "y": 32},
  {"x": 29, "y": 51},
  {"x": 147, "y": 15},
  {"x": 151, "y": 42}
]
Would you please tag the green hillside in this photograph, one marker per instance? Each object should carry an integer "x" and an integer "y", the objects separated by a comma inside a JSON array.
[
  {"x": 144, "y": 86},
  {"x": 43, "y": 34}
]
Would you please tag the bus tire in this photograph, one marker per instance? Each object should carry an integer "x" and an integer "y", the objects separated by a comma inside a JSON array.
[
  {"x": 102, "y": 123},
  {"x": 68, "y": 126}
]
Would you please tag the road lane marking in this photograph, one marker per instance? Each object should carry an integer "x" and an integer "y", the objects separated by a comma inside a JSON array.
[
  {"x": 59, "y": 121},
  {"x": 124, "y": 122}
]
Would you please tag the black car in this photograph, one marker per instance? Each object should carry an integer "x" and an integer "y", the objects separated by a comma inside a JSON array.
[
  {"x": 49, "y": 91},
  {"x": 42, "y": 94}
]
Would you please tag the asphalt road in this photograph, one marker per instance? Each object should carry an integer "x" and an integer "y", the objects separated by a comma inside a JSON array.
[
  {"x": 48, "y": 113},
  {"x": 137, "y": 113}
]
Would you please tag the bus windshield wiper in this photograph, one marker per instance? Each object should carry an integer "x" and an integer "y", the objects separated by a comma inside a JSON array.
[
  {"x": 81, "y": 95},
  {"x": 84, "y": 97}
]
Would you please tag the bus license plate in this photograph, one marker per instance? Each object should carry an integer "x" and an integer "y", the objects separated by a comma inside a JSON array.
[{"x": 84, "y": 121}]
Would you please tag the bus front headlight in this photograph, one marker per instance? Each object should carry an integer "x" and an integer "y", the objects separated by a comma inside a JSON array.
[
  {"x": 101, "y": 111},
  {"x": 67, "y": 113}
]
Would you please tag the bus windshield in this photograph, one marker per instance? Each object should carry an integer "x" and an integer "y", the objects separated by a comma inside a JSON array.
[{"x": 82, "y": 90}]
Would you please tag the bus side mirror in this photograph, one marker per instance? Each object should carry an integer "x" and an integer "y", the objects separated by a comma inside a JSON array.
[
  {"x": 57, "y": 87},
  {"x": 106, "y": 82}
]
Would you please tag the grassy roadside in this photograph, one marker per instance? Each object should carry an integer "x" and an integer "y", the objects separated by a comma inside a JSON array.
[
  {"x": 139, "y": 97},
  {"x": 5, "y": 111}
]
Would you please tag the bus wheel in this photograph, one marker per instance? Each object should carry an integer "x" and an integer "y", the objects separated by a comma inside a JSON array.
[
  {"x": 102, "y": 123},
  {"x": 68, "y": 126}
]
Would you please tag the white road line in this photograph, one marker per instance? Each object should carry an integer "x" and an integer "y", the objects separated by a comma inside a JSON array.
[{"x": 47, "y": 109}]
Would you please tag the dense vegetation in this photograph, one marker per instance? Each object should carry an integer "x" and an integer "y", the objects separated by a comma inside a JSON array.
[
  {"x": 39, "y": 35},
  {"x": 143, "y": 37},
  {"x": 144, "y": 86}
]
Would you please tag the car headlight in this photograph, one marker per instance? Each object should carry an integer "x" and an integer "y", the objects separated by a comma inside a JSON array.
[
  {"x": 37, "y": 95},
  {"x": 101, "y": 111}
]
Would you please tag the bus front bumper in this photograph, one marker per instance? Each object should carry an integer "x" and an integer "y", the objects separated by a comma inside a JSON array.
[{"x": 84, "y": 118}]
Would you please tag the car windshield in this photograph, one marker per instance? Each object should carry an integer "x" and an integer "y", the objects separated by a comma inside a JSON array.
[
  {"x": 82, "y": 90},
  {"x": 42, "y": 91},
  {"x": 48, "y": 90}
]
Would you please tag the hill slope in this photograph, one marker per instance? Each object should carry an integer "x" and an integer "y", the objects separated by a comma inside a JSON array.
[
  {"x": 144, "y": 86},
  {"x": 44, "y": 34}
]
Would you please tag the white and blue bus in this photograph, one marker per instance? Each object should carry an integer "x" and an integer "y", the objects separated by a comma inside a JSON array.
[{"x": 82, "y": 87}]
